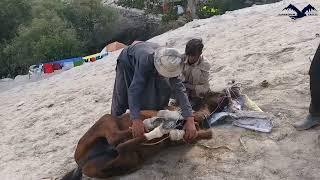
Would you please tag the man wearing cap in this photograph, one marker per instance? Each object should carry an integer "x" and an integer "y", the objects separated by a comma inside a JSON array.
[{"x": 145, "y": 77}]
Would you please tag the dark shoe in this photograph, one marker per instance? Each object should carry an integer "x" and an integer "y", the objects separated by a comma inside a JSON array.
[{"x": 308, "y": 123}]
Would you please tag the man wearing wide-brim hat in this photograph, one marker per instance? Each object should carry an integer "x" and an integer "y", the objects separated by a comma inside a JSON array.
[{"x": 146, "y": 74}]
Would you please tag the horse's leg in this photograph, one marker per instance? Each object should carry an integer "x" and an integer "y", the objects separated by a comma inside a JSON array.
[
  {"x": 126, "y": 160},
  {"x": 86, "y": 144},
  {"x": 115, "y": 130},
  {"x": 148, "y": 114},
  {"x": 204, "y": 134},
  {"x": 105, "y": 127},
  {"x": 120, "y": 130},
  {"x": 125, "y": 123},
  {"x": 131, "y": 155},
  {"x": 102, "y": 167},
  {"x": 105, "y": 161},
  {"x": 201, "y": 134}
]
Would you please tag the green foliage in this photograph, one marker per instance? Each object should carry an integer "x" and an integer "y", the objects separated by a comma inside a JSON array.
[
  {"x": 153, "y": 7},
  {"x": 170, "y": 16},
  {"x": 13, "y": 13},
  {"x": 229, "y": 5},
  {"x": 149, "y": 6},
  {"x": 217, "y": 7},
  {"x": 208, "y": 9},
  {"x": 139, "y": 4},
  {"x": 44, "y": 40},
  {"x": 94, "y": 23},
  {"x": 57, "y": 29}
]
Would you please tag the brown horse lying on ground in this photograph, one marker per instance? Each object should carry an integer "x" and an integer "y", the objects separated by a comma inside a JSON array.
[{"x": 108, "y": 148}]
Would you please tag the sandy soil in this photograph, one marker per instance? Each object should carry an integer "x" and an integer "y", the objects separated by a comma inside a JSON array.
[{"x": 42, "y": 121}]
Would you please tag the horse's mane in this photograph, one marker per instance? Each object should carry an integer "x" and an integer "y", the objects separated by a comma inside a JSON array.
[{"x": 214, "y": 101}]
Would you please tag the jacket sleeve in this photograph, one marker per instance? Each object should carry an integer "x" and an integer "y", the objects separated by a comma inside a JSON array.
[
  {"x": 203, "y": 86},
  {"x": 181, "y": 96},
  {"x": 143, "y": 70}
]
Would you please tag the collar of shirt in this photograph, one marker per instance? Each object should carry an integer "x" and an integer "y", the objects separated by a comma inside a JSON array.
[{"x": 194, "y": 64}]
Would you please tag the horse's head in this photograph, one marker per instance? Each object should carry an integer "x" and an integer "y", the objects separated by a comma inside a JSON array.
[{"x": 215, "y": 101}]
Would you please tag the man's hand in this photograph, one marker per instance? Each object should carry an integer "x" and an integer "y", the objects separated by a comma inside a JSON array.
[
  {"x": 138, "y": 128},
  {"x": 190, "y": 128}
]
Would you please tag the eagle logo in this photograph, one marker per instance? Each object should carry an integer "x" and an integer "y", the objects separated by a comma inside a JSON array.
[{"x": 308, "y": 10}]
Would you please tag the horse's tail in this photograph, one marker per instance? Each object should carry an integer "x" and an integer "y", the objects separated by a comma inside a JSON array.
[{"x": 75, "y": 174}]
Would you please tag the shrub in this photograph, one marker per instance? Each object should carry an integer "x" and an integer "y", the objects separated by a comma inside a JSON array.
[
  {"x": 57, "y": 30},
  {"x": 13, "y": 13},
  {"x": 207, "y": 9},
  {"x": 153, "y": 7},
  {"x": 171, "y": 15},
  {"x": 44, "y": 40},
  {"x": 139, "y": 4},
  {"x": 95, "y": 24}
]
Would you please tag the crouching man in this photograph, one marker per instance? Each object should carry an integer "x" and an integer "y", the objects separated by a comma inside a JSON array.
[
  {"x": 195, "y": 73},
  {"x": 145, "y": 76}
]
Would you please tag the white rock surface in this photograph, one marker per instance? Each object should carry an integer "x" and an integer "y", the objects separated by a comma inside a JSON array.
[{"x": 250, "y": 45}]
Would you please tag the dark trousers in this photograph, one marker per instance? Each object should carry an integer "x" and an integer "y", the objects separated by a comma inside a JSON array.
[
  {"x": 314, "y": 108},
  {"x": 155, "y": 96},
  {"x": 314, "y": 73},
  {"x": 120, "y": 91}
]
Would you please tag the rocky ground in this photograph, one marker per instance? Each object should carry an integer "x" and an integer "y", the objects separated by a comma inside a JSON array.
[{"x": 42, "y": 121}]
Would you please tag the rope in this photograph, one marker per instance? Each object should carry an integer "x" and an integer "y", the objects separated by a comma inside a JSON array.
[
  {"x": 178, "y": 134},
  {"x": 174, "y": 135},
  {"x": 219, "y": 104},
  {"x": 151, "y": 144},
  {"x": 238, "y": 85}
]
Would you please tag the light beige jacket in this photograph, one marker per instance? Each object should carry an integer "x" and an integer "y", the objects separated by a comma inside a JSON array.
[{"x": 196, "y": 77}]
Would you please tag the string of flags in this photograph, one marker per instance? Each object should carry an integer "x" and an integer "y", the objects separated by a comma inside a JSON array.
[{"x": 66, "y": 64}]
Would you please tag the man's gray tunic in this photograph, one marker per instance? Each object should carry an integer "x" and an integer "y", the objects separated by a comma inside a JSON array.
[{"x": 138, "y": 85}]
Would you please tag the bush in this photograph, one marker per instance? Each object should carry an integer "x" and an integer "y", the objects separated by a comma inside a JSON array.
[
  {"x": 208, "y": 9},
  {"x": 43, "y": 41},
  {"x": 95, "y": 24},
  {"x": 153, "y": 7},
  {"x": 138, "y": 4},
  {"x": 13, "y": 13},
  {"x": 57, "y": 30},
  {"x": 170, "y": 16},
  {"x": 149, "y": 6}
]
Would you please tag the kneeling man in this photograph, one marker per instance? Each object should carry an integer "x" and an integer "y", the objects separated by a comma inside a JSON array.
[{"x": 145, "y": 76}]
